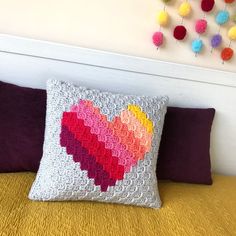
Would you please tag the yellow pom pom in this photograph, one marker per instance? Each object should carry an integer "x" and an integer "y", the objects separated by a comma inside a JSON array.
[
  {"x": 185, "y": 9},
  {"x": 162, "y": 18},
  {"x": 232, "y": 33}
]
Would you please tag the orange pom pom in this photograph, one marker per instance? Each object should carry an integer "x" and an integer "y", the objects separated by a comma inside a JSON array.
[
  {"x": 229, "y": 1},
  {"x": 227, "y": 54}
]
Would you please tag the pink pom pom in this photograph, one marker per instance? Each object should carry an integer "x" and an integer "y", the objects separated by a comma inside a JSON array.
[
  {"x": 157, "y": 38},
  {"x": 201, "y": 26}
]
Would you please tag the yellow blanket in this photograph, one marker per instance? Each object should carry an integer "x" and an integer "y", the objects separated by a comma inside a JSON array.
[{"x": 187, "y": 210}]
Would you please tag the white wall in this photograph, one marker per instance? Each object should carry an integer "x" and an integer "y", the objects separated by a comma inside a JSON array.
[
  {"x": 130, "y": 75},
  {"x": 123, "y": 26}
]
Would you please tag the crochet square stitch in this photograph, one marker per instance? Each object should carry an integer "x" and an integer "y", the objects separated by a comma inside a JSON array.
[{"x": 99, "y": 146}]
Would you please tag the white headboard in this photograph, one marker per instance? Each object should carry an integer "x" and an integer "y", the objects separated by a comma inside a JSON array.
[{"x": 31, "y": 62}]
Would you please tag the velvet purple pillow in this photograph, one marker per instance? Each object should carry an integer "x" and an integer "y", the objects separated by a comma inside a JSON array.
[
  {"x": 184, "y": 150},
  {"x": 22, "y": 121}
]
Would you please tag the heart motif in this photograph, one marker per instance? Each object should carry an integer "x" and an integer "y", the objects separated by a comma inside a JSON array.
[{"x": 105, "y": 149}]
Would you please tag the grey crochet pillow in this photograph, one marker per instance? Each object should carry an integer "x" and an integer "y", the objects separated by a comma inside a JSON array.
[{"x": 100, "y": 146}]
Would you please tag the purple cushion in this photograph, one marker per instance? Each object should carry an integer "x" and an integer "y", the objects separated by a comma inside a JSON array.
[
  {"x": 22, "y": 121},
  {"x": 184, "y": 150}
]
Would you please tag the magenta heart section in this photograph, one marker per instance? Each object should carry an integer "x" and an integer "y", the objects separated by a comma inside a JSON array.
[{"x": 87, "y": 162}]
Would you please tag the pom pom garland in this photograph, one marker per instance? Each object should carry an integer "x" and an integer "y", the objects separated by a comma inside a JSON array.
[
  {"x": 158, "y": 38},
  {"x": 232, "y": 33},
  {"x": 201, "y": 26},
  {"x": 197, "y": 45},
  {"x": 216, "y": 40},
  {"x": 222, "y": 17},
  {"x": 162, "y": 18},
  {"x": 179, "y": 32},
  {"x": 185, "y": 9},
  {"x": 207, "y": 5},
  {"x": 227, "y": 54}
]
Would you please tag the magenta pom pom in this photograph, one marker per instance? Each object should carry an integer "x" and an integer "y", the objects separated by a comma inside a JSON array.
[
  {"x": 201, "y": 26},
  {"x": 158, "y": 38},
  {"x": 179, "y": 32},
  {"x": 207, "y": 5}
]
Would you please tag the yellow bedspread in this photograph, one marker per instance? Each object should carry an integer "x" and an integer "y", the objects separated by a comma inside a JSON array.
[{"x": 187, "y": 210}]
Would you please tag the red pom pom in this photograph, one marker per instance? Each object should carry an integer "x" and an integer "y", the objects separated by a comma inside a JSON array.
[
  {"x": 207, "y": 5},
  {"x": 179, "y": 32},
  {"x": 229, "y": 1},
  {"x": 227, "y": 54}
]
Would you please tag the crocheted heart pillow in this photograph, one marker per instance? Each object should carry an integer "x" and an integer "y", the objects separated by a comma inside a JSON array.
[{"x": 100, "y": 146}]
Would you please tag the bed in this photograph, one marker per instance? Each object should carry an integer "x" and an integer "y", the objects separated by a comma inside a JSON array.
[{"x": 188, "y": 209}]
